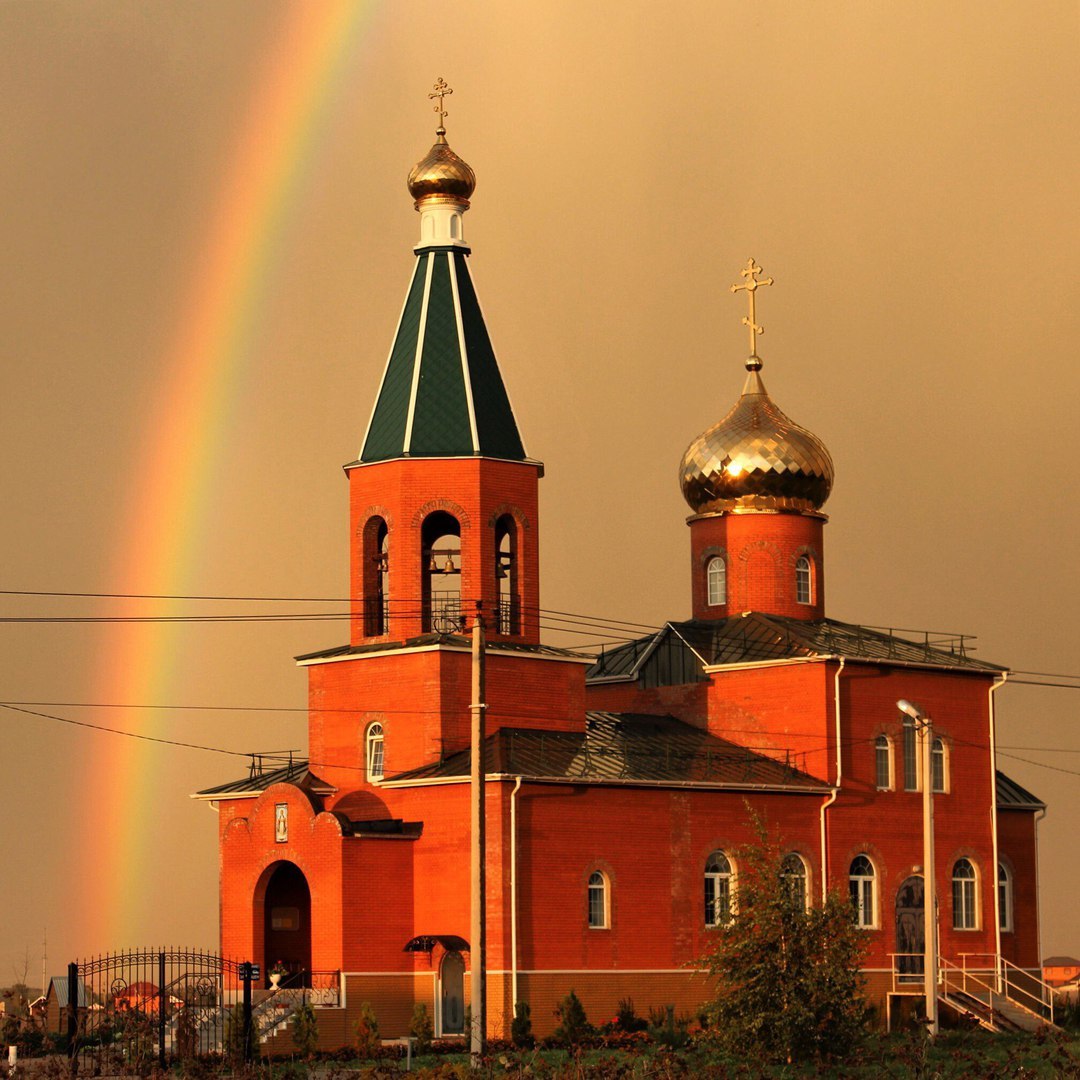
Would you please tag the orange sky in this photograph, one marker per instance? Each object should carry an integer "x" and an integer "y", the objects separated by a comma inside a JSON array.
[{"x": 906, "y": 172}]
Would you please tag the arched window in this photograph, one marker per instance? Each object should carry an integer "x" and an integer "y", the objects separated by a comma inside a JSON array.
[
  {"x": 599, "y": 901},
  {"x": 506, "y": 575},
  {"x": 440, "y": 538},
  {"x": 939, "y": 766},
  {"x": 716, "y": 575},
  {"x": 804, "y": 592},
  {"x": 376, "y": 577},
  {"x": 883, "y": 763},
  {"x": 374, "y": 751},
  {"x": 911, "y": 755},
  {"x": 793, "y": 874},
  {"x": 717, "y": 889},
  {"x": 964, "y": 896},
  {"x": 862, "y": 885},
  {"x": 1005, "y": 898}
]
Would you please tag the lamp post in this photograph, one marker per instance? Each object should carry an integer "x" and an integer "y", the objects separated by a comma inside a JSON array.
[{"x": 930, "y": 959}]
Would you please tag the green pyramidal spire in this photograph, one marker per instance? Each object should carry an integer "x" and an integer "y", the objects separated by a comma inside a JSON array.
[{"x": 442, "y": 394}]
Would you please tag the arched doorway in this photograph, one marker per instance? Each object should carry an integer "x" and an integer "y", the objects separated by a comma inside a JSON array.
[
  {"x": 287, "y": 923},
  {"x": 910, "y": 930},
  {"x": 452, "y": 995}
]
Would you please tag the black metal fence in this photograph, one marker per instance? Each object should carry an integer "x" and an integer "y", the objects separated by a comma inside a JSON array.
[{"x": 129, "y": 1011}]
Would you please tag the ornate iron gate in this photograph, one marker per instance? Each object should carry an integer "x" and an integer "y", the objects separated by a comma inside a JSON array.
[{"x": 126, "y": 1011}]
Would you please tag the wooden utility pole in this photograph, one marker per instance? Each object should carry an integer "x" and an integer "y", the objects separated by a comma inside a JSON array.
[{"x": 478, "y": 943}]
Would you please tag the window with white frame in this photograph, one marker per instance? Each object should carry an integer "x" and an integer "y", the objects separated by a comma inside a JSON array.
[
  {"x": 883, "y": 763},
  {"x": 964, "y": 896},
  {"x": 862, "y": 885},
  {"x": 793, "y": 874},
  {"x": 911, "y": 755},
  {"x": 716, "y": 575},
  {"x": 717, "y": 889},
  {"x": 599, "y": 901},
  {"x": 1005, "y": 898},
  {"x": 374, "y": 751},
  {"x": 939, "y": 773},
  {"x": 803, "y": 581}
]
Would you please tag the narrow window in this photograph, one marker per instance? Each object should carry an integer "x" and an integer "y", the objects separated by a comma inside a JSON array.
[
  {"x": 938, "y": 771},
  {"x": 793, "y": 873},
  {"x": 376, "y": 577},
  {"x": 440, "y": 539},
  {"x": 911, "y": 755},
  {"x": 861, "y": 884},
  {"x": 1005, "y": 898},
  {"x": 883, "y": 762},
  {"x": 717, "y": 889},
  {"x": 803, "y": 590},
  {"x": 598, "y": 901},
  {"x": 963, "y": 896},
  {"x": 506, "y": 575},
  {"x": 374, "y": 755},
  {"x": 716, "y": 574}
]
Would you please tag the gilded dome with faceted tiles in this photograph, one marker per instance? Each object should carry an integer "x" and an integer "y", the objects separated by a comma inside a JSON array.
[
  {"x": 442, "y": 173},
  {"x": 756, "y": 459}
]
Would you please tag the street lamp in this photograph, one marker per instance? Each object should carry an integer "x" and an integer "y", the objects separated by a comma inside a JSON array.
[{"x": 930, "y": 961}]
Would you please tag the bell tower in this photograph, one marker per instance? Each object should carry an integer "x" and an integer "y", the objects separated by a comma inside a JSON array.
[
  {"x": 443, "y": 498},
  {"x": 756, "y": 482}
]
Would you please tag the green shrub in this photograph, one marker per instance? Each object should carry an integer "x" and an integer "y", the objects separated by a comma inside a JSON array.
[
  {"x": 521, "y": 1033},
  {"x": 665, "y": 1029},
  {"x": 421, "y": 1028},
  {"x": 574, "y": 1027},
  {"x": 305, "y": 1030},
  {"x": 366, "y": 1029},
  {"x": 627, "y": 1019}
]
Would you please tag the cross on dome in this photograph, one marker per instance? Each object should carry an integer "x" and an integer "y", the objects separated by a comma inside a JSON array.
[
  {"x": 441, "y": 91},
  {"x": 751, "y": 285}
]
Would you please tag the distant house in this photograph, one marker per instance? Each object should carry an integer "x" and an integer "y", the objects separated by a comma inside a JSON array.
[
  {"x": 1058, "y": 970},
  {"x": 56, "y": 1002}
]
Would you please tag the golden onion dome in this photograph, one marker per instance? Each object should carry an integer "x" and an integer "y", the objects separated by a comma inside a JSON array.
[
  {"x": 441, "y": 174},
  {"x": 756, "y": 459}
]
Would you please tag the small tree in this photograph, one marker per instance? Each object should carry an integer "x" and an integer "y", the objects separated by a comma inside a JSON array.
[
  {"x": 521, "y": 1032},
  {"x": 788, "y": 979},
  {"x": 573, "y": 1026},
  {"x": 421, "y": 1028},
  {"x": 305, "y": 1030},
  {"x": 366, "y": 1029}
]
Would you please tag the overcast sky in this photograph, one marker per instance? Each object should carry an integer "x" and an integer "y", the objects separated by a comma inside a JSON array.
[{"x": 907, "y": 172}]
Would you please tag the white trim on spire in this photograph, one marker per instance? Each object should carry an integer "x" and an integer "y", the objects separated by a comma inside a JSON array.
[
  {"x": 465, "y": 373},
  {"x": 407, "y": 444},
  {"x": 389, "y": 357},
  {"x": 506, "y": 389}
]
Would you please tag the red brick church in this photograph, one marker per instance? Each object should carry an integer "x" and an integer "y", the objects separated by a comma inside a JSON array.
[{"x": 616, "y": 785}]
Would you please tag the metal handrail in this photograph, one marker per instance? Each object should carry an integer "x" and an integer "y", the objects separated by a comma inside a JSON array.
[{"x": 1049, "y": 992}]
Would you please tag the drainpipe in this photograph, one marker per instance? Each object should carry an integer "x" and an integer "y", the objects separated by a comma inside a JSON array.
[
  {"x": 836, "y": 786},
  {"x": 513, "y": 895},
  {"x": 995, "y": 686}
]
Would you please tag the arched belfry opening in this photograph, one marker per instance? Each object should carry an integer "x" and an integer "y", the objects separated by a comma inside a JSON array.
[
  {"x": 507, "y": 571},
  {"x": 287, "y": 922},
  {"x": 440, "y": 540},
  {"x": 376, "y": 580}
]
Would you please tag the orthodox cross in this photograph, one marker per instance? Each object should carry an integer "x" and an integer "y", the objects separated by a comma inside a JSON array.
[
  {"x": 441, "y": 91},
  {"x": 751, "y": 285}
]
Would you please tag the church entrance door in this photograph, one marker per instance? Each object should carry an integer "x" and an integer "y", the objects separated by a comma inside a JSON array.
[
  {"x": 910, "y": 930},
  {"x": 452, "y": 995},
  {"x": 287, "y": 924}
]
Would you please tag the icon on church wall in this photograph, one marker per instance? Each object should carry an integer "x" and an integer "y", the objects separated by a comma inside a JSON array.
[{"x": 281, "y": 823}]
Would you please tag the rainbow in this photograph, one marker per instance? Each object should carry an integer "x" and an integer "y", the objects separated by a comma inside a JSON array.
[{"x": 204, "y": 367}]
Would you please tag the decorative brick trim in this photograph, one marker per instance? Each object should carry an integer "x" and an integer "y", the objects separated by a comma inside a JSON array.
[
  {"x": 375, "y": 512},
  {"x": 508, "y": 508},
  {"x": 806, "y": 549},
  {"x": 448, "y": 506},
  {"x": 711, "y": 552}
]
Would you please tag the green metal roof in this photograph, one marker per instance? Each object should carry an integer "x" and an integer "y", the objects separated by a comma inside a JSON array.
[{"x": 442, "y": 394}]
